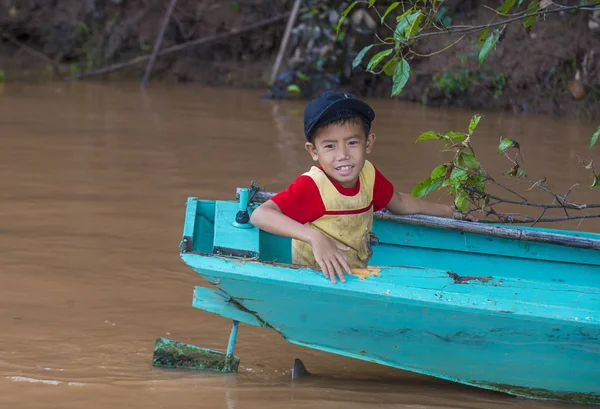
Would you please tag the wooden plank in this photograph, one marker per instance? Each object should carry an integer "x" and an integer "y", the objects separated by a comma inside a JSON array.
[
  {"x": 217, "y": 302},
  {"x": 230, "y": 240}
]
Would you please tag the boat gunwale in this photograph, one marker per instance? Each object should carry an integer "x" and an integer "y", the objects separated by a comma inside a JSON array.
[{"x": 523, "y": 233}]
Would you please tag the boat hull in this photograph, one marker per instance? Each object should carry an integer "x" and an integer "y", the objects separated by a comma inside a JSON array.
[
  {"x": 529, "y": 326},
  {"x": 507, "y": 352}
]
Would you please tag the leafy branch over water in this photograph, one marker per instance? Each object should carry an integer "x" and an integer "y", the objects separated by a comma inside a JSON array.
[
  {"x": 464, "y": 177},
  {"x": 467, "y": 181}
]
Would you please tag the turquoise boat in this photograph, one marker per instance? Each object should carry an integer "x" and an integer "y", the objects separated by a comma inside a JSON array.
[{"x": 510, "y": 309}]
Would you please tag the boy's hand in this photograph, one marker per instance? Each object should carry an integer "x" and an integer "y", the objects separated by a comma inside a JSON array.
[{"x": 328, "y": 255}]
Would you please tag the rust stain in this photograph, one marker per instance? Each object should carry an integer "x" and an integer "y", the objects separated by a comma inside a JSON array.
[
  {"x": 363, "y": 273},
  {"x": 466, "y": 279}
]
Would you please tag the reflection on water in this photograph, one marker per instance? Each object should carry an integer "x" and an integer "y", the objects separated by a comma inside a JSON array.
[{"x": 95, "y": 179}]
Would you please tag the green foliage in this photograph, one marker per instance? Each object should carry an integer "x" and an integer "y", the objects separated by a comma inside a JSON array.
[
  {"x": 409, "y": 24},
  {"x": 75, "y": 69},
  {"x": 442, "y": 18},
  {"x": 473, "y": 123},
  {"x": 529, "y": 21},
  {"x": 488, "y": 44},
  {"x": 505, "y": 8},
  {"x": 361, "y": 54},
  {"x": 428, "y": 135},
  {"x": 344, "y": 15},
  {"x": 595, "y": 136},
  {"x": 389, "y": 10},
  {"x": 483, "y": 36},
  {"x": 401, "y": 75},
  {"x": 376, "y": 59},
  {"x": 463, "y": 177},
  {"x": 506, "y": 143},
  {"x": 293, "y": 88},
  {"x": 2, "y": 76},
  {"x": 457, "y": 81},
  {"x": 454, "y": 83}
]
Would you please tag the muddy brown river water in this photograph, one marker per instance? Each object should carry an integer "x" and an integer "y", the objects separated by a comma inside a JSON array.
[{"x": 94, "y": 179}]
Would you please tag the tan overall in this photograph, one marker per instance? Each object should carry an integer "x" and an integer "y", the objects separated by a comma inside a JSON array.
[{"x": 347, "y": 219}]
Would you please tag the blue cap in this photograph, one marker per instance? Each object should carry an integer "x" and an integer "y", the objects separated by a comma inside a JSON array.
[{"x": 331, "y": 106}]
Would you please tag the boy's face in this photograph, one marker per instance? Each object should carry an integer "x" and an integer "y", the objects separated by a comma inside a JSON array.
[{"x": 341, "y": 151}]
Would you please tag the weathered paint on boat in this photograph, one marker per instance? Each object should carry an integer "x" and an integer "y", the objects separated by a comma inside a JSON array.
[{"x": 516, "y": 316}]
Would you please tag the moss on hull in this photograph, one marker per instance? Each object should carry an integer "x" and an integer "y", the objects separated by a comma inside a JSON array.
[{"x": 543, "y": 394}]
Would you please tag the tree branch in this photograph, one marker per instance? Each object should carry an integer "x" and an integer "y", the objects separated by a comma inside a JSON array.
[
  {"x": 508, "y": 217},
  {"x": 469, "y": 29}
]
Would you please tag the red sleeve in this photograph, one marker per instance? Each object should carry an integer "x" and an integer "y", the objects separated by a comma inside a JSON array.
[
  {"x": 383, "y": 190},
  {"x": 301, "y": 201}
]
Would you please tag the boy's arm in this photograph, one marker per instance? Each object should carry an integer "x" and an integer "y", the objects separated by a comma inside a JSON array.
[
  {"x": 402, "y": 203},
  {"x": 268, "y": 217}
]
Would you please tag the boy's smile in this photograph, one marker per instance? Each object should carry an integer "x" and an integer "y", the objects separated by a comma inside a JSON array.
[{"x": 341, "y": 151}]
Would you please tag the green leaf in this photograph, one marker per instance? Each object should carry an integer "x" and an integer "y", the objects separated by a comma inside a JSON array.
[
  {"x": 506, "y": 143},
  {"x": 458, "y": 174},
  {"x": 455, "y": 136},
  {"x": 439, "y": 172},
  {"x": 403, "y": 15},
  {"x": 360, "y": 56},
  {"x": 293, "y": 88},
  {"x": 521, "y": 172},
  {"x": 405, "y": 25},
  {"x": 401, "y": 76},
  {"x": 461, "y": 202},
  {"x": 425, "y": 187},
  {"x": 597, "y": 133},
  {"x": 371, "y": 2},
  {"x": 474, "y": 122},
  {"x": 344, "y": 15},
  {"x": 428, "y": 135},
  {"x": 415, "y": 26},
  {"x": 470, "y": 161},
  {"x": 596, "y": 181},
  {"x": 303, "y": 76},
  {"x": 505, "y": 8},
  {"x": 483, "y": 36},
  {"x": 376, "y": 59},
  {"x": 489, "y": 43},
  {"x": 390, "y": 66},
  {"x": 529, "y": 21},
  {"x": 389, "y": 9}
]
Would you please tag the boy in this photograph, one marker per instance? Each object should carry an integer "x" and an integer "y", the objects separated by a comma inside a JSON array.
[{"x": 328, "y": 211}]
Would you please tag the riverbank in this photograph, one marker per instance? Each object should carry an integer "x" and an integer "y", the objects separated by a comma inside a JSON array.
[{"x": 554, "y": 69}]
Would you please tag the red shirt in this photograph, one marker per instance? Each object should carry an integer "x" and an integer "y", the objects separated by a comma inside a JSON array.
[{"x": 302, "y": 202}]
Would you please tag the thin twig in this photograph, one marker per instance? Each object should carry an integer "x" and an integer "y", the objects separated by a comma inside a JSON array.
[
  {"x": 539, "y": 218},
  {"x": 526, "y": 202},
  {"x": 547, "y": 220},
  {"x": 30, "y": 50},
  {"x": 157, "y": 44},
  {"x": 179, "y": 47},
  {"x": 500, "y": 23},
  {"x": 506, "y": 188},
  {"x": 284, "y": 41},
  {"x": 440, "y": 51}
]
